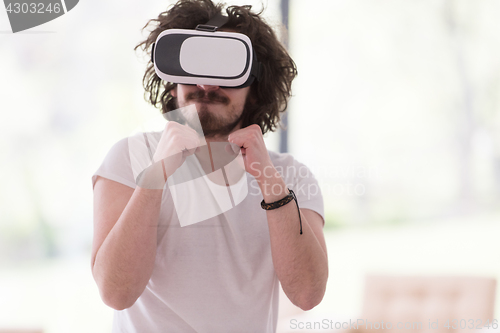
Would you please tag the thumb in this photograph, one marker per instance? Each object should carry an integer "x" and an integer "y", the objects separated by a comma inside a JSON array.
[{"x": 232, "y": 148}]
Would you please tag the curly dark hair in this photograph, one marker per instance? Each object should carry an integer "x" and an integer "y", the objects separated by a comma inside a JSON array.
[{"x": 269, "y": 95}]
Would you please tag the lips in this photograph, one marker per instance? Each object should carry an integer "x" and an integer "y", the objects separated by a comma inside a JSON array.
[{"x": 205, "y": 100}]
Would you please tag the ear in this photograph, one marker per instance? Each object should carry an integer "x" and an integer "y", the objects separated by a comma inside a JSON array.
[
  {"x": 173, "y": 92},
  {"x": 252, "y": 99}
]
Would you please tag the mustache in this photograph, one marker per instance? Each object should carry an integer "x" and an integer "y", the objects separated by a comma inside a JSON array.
[{"x": 210, "y": 96}]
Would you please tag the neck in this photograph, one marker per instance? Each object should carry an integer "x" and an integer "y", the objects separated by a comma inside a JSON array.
[
  {"x": 222, "y": 138},
  {"x": 216, "y": 138}
]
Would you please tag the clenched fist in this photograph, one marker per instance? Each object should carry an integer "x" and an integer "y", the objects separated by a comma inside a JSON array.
[{"x": 176, "y": 143}]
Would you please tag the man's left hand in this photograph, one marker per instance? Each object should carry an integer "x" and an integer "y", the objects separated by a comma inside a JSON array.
[{"x": 254, "y": 151}]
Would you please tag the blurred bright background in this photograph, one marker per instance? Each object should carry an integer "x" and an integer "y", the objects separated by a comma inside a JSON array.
[{"x": 396, "y": 109}]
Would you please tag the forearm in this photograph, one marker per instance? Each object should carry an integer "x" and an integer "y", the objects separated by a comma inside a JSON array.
[
  {"x": 299, "y": 260},
  {"x": 124, "y": 262}
]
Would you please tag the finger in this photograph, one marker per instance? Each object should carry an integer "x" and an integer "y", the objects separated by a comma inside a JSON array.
[
  {"x": 231, "y": 148},
  {"x": 191, "y": 145},
  {"x": 188, "y": 152},
  {"x": 237, "y": 140},
  {"x": 187, "y": 139},
  {"x": 174, "y": 126}
]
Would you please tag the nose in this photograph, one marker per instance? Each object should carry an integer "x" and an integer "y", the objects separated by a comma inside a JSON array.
[{"x": 207, "y": 87}]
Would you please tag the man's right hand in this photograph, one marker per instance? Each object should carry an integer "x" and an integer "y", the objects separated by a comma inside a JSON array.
[{"x": 176, "y": 143}]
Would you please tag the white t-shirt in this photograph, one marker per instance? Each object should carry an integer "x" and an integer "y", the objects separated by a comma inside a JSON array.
[{"x": 215, "y": 275}]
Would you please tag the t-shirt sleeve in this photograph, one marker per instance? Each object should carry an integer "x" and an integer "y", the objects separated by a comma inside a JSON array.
[
  {"x": 301, "y": 180},
  {"x": 116, "y": 165}
]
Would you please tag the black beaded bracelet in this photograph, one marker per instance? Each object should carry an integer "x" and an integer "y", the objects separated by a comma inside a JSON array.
[{"x": 277, "y": 204}]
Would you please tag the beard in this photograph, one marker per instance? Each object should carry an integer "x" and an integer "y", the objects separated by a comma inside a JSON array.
[
  {"x": 216, "y": 125},
  {"x": 213, "y": 124}
]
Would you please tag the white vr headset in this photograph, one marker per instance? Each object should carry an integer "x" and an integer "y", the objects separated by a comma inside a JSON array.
[{"x": 206, "y": 56}]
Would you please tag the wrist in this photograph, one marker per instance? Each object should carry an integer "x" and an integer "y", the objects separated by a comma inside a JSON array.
[
  {"x": 153, "y": 177},
  {"x": 273, "y": 188}
]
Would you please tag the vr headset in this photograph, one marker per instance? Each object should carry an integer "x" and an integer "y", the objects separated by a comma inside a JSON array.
[{"x": 206, "y": 56}]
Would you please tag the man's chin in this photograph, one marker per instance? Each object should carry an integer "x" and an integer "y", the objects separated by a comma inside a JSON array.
[{"x": 213, "y": 108}]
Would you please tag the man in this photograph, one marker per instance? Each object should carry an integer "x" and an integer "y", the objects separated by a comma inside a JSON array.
[{"x": 221, "y": 274}]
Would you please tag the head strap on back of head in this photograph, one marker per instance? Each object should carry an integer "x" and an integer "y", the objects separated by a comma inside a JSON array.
[{"x": 214, "y": 23}]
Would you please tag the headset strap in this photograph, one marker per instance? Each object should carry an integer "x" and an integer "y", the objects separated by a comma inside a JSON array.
[{"x": 214, "y": 23}]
